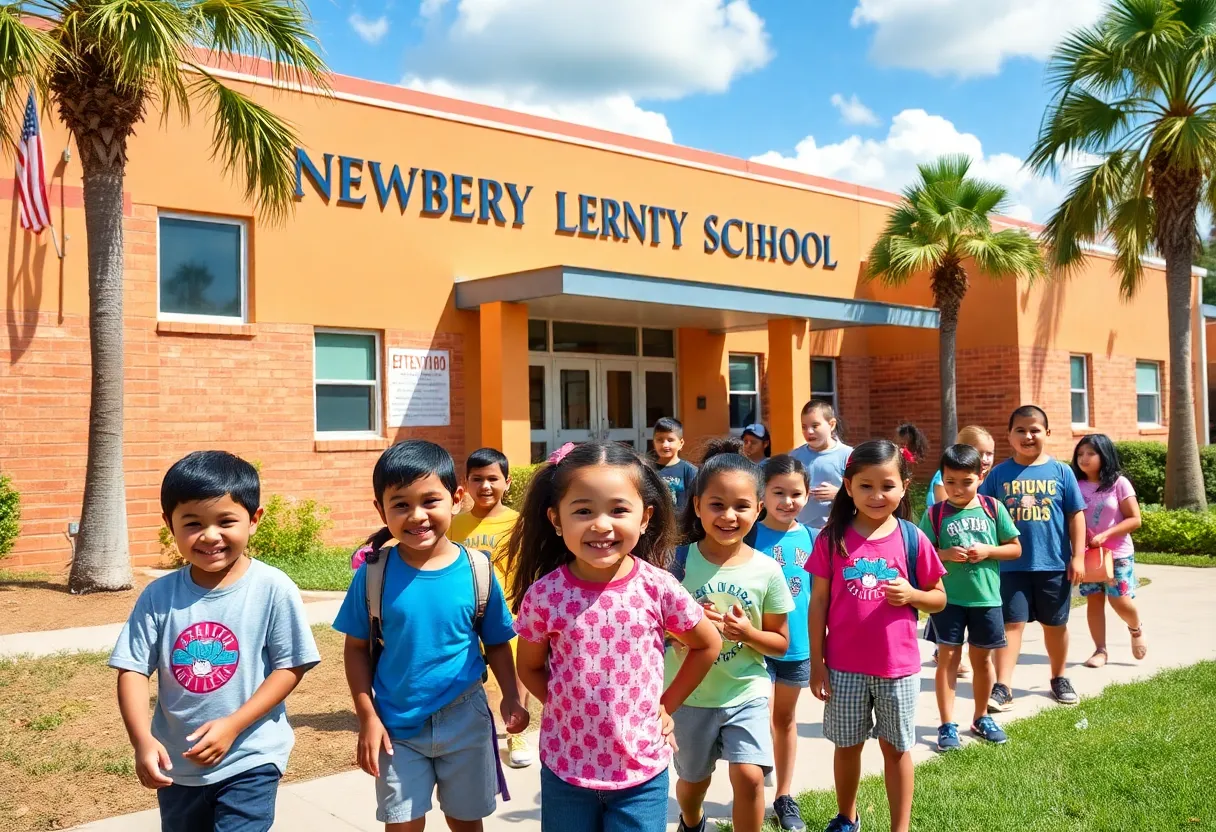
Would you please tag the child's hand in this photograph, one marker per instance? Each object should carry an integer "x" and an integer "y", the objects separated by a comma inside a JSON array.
[
  {"x": 898, "y": 592},
  {"x": 825, "y": 492},
  {"x": 211, "y": 741},
  {"x": 737, "y": 626},
  {"x": 716, "y": 618},
  {"x": 514, "y": 715},
  {"x": 373, "y": 737},
  {"x": 821, "y": 688},
  {"x": 1098, "y": 540},
  {"x": 151, "y": 761},
  {"x": 979, "y": 552},
  {"x": 955, "y": 554},
  {"x": 1076, "y": 570},
  {"x": 667, "y": 726}
]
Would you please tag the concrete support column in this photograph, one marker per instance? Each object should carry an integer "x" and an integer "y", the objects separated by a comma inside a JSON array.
[
  {"x": 504, "y": 380},
  {"x": 704, "y": 407},
  {"x": 788, "y": 379}
]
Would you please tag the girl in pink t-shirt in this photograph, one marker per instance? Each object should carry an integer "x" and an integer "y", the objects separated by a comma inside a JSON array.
[
  {"x": 1112, "y": 513},
  {"x": 865, "y": 660},
  {"x": 593, "y": 604}
]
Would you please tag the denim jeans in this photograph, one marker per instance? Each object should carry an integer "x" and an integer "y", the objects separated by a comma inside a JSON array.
[
  {"x": 640, "y": 808},
  {"x": 242, "y": 803}
]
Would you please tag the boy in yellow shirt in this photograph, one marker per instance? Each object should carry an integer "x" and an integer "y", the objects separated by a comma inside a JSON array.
[{"x": 487, "y": 526}]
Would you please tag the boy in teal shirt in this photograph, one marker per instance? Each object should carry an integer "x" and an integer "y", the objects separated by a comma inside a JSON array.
[{"x": 972, "y": 534}]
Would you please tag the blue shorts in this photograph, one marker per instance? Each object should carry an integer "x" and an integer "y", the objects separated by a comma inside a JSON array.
[
  {"x": 737, "y": 734},
  {"x": 1044, "y": 597},
  {"x": 242, "y": 803},
  {"x": 1123, "y": 586},
  {"x": 984, "y": 627},
  {"x": 795, "y": 674},
  {"x": 564, "y": 806}
]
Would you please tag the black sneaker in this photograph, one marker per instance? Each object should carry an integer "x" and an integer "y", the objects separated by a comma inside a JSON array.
[
  {"x": 1001, "y": 699},
  {"x": 700, "y": 827},
  {"x": 1063, "y": 691},
  {"x": 788, "y": 816}
]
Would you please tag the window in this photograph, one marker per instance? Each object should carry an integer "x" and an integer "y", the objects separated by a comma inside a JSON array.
[
  {"x": 598, "y": 339},
  {"x": 1078, "y": 385},
  {"x": 202, "y": 269},
  {"x": 347, "y": 369},
  {"x": 744, "y": 371},
  {"x": 659, "y": 343},
  {"x": 1148, "y": 392},
  {"x": 823, "y": 380},
  {"x": 538, "y": 335}
]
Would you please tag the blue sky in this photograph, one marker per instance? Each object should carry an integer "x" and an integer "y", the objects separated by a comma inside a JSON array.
[{"x": 859, "y": 90}]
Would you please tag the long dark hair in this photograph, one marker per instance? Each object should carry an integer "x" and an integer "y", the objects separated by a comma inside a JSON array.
[
  {"x": 1110, "y": 469},
  {"x": 914, "y": 440},
  {"x": 865, "y": 455},
  {"x": 535, "y": 550},
  {"x": 782, "y": 464},
  {"x": 721, "y": 456}
]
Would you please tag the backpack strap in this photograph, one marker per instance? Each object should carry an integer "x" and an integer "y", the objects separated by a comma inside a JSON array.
[
  {"x": 988, "y": 504},
  {"x": 479, "y": 562},
  {"x": 937, "y": 513},
  {"x": 374, "y": 568},
  {"x": 911, "y": 549},
  {"x": 679, "y": 566}
]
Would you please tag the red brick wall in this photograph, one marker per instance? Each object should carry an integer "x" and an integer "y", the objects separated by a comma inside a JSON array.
[{"x": 244, "y": 389}]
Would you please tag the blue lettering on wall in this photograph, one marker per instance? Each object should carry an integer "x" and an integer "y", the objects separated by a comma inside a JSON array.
[
  {"x": 347, "y": 179},
  {"x": 305, "y": 165},
  {"x": 488, "y": 202},
  {"x": 586, "y": 216},
  {"x": 434, "y": 193},
  {"x": 461, "y": 196},
  {"x": 562, "y": 228},
  {"x": 726, "y": 246},
  {"x": 517, "y": 202},
  {"x": 395, "y": 185}
]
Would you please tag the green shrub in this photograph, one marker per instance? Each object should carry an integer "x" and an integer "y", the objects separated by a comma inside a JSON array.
[
  {"x": 10, "y": 515},
  {"x": 1144, "y": 465},
  {"x": 521, "y": 475},
  {"x": 289, "y": 530},
  {"x": 1178, "y": 532}
]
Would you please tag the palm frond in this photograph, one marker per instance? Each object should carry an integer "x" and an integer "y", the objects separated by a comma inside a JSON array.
[
  {"x": 1132, "y": 225},
  {"x": 1147, "y": 29},
  {"x": 951, "y": 167},
  {"x": 142, "y": 45},
  {"x": 1086, "y": 58},
  {"x": 26, "y": 55},
  {"x": 277, "y": 30},
  {"x": 1009, "y": 253},
  {"x": 1083, "y": 215},
  {"x": 1187, "y": 142},
  {"x": 254, "y": 145}
]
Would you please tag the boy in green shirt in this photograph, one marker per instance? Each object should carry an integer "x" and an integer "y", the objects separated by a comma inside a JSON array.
[{"x": 971, "y": 533}]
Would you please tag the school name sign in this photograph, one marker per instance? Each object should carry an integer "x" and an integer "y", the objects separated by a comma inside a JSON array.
[{"x": 351, "y": 181}]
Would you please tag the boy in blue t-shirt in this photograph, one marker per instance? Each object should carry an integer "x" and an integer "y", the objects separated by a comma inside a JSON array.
[
  {"x": 228, "y": 639},
  {"x": 1045, "y": 502},
  {"x": 429, "y": 724}
]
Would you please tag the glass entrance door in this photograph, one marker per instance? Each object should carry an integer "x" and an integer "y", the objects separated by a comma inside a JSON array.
[
  {"x": 619, "y": 402},
  {"x": 576, "y": 399}
]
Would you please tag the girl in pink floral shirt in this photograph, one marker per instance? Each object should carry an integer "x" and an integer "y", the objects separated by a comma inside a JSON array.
[{"x": 594, "y": 602}]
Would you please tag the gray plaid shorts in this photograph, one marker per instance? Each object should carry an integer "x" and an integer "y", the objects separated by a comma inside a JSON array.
[{"x": 857, "y": 699}]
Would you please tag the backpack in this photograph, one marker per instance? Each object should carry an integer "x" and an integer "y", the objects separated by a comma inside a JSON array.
[
  {"x": 377, "y": 566},
  {"x": 937, "y": 514},
  {"x": 680, "y": 565}
]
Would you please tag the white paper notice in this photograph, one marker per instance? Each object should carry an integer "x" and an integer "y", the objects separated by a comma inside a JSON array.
[{"x": 419, "y": 388}]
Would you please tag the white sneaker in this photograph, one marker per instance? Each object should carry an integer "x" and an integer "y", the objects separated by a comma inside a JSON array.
[{"x": 519, "y": 753}]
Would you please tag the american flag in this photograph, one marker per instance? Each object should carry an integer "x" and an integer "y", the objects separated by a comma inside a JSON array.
[{"x": 31, "y": 173}]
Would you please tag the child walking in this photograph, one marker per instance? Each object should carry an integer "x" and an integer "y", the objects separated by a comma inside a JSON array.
[
  {"x": 1043, "y": 498},
  {"x": 594, "y": 602},
  {"x": 824, "y": 457},
  {"x": 873, "y": 570},
  {"x": 757, "y": 444},
  {"x": 972, "y": 534},
  {"x": 487, "y": 526},
  {"x": 228, "y": 639},
  {"x": 782, "y": 537},
  {"x": 746, "y": 598},
  {"x": 978, "y": 438},
  {"x": 1112, "y": 513},
  {"x": 668, "y": 441},
  {"x": 913, "y": 443},
  {"x": 427, "y": 725}
]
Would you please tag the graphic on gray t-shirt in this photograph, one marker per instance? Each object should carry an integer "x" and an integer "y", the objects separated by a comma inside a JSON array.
[{"x": 211, "y": 650}]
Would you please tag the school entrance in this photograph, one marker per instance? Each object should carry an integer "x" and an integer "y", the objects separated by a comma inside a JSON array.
[{"x": 589, "y": 381}]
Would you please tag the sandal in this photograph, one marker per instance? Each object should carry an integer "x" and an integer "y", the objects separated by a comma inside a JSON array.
[
  {"x": 1139, "y": 647},
  {"x": 1098, "y": 659}
]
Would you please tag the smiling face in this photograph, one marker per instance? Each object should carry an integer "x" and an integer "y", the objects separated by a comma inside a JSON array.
[
  {"x": 211, "y": 535},
  {"x": 961, "y": 486},
  {"x": 817, "y": 430},
  {"x": 753, "y": 448},
  {"x": 1027, "y": 438},
  {"x": 728, "y": 507},
  {"x": 877, "y": 490},
  {"x": 987, "y": 449},
  {"x": 600, "y": 517},
  {"x": 487, "y": 486},
  {"x": 784, "y": 496},
  {"x": 667, "y": 445},
  {"x": 419, "y": 514}
]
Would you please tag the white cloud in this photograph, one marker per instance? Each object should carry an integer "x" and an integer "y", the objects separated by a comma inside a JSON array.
[
  {"x": 590, "y": 61},
  {"x": 914, "y": 137},
  {"x": 609, "y": 112},
  {"x": 852, "y": 111},
  {"x": 372, "y": 31},
  {"x": 431, "y": 8},
  {"x": 969, "y": 37}
]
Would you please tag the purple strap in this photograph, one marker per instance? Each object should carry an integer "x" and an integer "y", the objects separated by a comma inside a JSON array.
[{"x": 502, "y": 779}]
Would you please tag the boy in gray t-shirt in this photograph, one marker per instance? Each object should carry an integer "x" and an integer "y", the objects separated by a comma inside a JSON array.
[{"x": 229, "y": 639}]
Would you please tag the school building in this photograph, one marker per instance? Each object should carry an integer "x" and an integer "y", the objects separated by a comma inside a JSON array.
[{"x": 476, "y": 277}]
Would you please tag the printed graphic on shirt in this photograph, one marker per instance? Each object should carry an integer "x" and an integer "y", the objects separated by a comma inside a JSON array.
[
  {"x": 800, "y": 556},
  {"x": 968, "y": 530},
  {"x": 676, "y": 484},
  {"x": 722, "y": 595},
  {"x": 1031, "y": 501},
  {"x": 864, "y": 576},
  {"x": 205, "y": 656}
]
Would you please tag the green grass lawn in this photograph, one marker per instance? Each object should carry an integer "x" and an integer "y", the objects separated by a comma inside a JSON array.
[
  {"x": 1147, "y": 761},
  {"x": 1170, "y": 559},
  {"x": 328, "y": 569}
]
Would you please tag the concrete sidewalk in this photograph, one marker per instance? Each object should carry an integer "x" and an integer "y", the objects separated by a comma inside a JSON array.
[{"x": 1180, "y": 621}]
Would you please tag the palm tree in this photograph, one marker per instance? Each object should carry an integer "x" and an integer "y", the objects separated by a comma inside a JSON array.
[
  {"x": 1135, "y": 90},
  {"x": 942, "y": 223},
  {"x": 103, "y": 64}
]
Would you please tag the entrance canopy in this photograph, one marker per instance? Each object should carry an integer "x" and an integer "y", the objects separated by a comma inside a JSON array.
[{"x": 612, "y": 297}]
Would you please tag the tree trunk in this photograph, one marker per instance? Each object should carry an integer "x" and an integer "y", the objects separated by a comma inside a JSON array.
[
  {"x": 947, "y": 336},
  {"x": 102, "y": 560}
]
